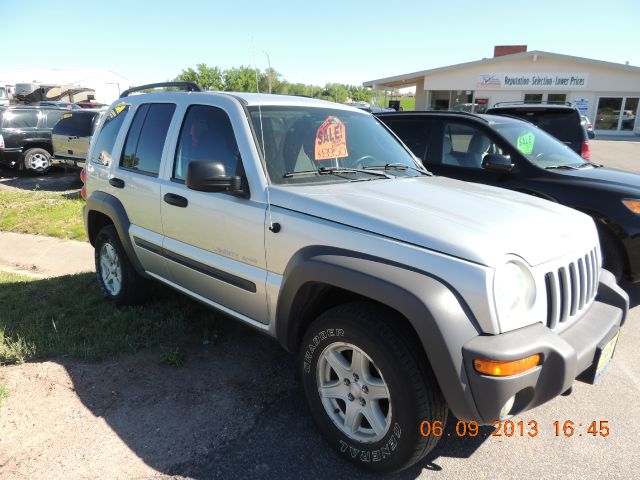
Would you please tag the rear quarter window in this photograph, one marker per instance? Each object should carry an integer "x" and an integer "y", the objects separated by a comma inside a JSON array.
[
  {"x": 20, "y": 119},
  {"x": 103, "y": 148}
]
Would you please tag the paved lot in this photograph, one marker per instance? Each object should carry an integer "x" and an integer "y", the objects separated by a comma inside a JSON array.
[{"x": 239, "y": 408}]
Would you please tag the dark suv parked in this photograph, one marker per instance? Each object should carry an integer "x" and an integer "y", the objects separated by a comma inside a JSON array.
[
  {"x": 562, "y": 121},
  {"x": 506, "y": 152},
  {"x": 25, "y": 136}
]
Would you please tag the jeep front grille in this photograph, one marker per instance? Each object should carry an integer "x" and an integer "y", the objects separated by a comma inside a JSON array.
[{"x": 572, "y": 288}]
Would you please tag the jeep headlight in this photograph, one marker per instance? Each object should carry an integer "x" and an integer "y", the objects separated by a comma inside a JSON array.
[{"x": 514, "y": 291}]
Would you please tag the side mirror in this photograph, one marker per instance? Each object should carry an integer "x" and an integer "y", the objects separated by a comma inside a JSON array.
[
  {"x": 497, "y": 163},
  {"x": 208, "y": 176}
]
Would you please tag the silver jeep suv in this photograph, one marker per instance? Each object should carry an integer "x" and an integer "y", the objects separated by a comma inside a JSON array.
[{"x": 405, "y": 294}]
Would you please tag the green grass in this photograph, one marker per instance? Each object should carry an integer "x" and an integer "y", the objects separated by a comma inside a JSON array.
[
  {"x": 42, "y": 213},
  {"x": 68, "y": 317}
]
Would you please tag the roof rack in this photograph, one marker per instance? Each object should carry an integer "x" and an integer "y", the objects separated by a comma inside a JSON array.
[
  {"x": 439, "y": 112},
  {"x": 188, "y": 86},
  {"x": 545, "y": 102}
]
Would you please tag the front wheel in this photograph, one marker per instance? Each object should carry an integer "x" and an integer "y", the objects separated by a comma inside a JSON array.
[
  {"x": 37, "y": 161},
  {"x": 367, "y": 390}
]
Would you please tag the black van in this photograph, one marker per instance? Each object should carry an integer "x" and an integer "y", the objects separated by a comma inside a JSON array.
[
  {"x": 561, "y": 121},
  {"x": 72, "y": 134}
]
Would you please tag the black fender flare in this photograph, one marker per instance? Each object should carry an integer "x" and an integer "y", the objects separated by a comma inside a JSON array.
[
  {"x": 438, "y": 314},
  {"x": 112, "y": 207}
]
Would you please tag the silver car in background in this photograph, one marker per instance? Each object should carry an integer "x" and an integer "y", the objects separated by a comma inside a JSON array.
[{"x": 72, "y": 134}]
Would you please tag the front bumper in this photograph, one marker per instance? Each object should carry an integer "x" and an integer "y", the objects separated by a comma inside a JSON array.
[{"x": 565, "y": 356}]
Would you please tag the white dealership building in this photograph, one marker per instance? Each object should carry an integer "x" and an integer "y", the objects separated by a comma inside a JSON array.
[{"x": 608, "y": 93}]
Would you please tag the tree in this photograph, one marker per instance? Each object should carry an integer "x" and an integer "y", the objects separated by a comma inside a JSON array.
[{"x": 209, "y": 78}]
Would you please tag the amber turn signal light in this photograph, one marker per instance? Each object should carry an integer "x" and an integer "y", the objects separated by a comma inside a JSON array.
[
  {"x": 498, "y": 368},
  {"x": 633, "y": 205}
]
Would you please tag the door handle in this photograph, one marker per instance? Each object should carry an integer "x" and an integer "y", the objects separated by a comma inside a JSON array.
[
  {"x": 176, "y": 200},
  {"x": 72, "y": 138},
  {"x": 116, "y": 182}
]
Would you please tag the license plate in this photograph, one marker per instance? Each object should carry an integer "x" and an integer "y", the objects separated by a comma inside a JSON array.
[{"x": 605, "y": 356}]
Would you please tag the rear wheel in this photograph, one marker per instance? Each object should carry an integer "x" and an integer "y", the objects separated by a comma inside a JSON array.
[
  {"x": 367, "y": 390},
  {"x": 37, "y": 161}
]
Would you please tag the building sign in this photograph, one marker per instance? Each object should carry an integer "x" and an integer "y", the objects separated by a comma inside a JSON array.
[
  {"x": 532, "y": 81},
  {"x": 582, "y": 104}
]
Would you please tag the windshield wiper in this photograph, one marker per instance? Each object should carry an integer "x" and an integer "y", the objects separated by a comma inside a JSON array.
[
  {"x": 562, "y": 167},
  {"x": 397, "y": 166},
  {"x": 333, "y": 171}
]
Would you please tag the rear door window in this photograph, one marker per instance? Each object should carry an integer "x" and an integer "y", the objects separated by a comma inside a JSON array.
[
  {"x": 413, "y": 132},
  {"x": 146, "y": 137},
  {"x": 75, "y": 125}
]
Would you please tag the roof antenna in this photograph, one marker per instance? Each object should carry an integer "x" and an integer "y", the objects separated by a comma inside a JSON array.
[{"x": 274, "y": 227}]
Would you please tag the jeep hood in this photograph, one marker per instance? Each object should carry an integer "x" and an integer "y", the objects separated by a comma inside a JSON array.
[{"x": 474, "y": 222}]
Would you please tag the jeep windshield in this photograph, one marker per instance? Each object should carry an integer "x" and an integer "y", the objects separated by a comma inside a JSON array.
[
  {"x": 539, "y": 147},
  {"x": 311, "y": 144}
]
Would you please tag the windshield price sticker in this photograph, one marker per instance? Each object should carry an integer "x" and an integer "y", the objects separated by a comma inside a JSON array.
[
  {"x": 331, "y": 140},
  {"x": 525, "y": 143}
]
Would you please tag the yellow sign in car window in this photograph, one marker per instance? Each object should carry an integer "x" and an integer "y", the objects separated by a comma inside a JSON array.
[
  {"x": 331, "y": 140},
  {"x": 525, "y": 143}
]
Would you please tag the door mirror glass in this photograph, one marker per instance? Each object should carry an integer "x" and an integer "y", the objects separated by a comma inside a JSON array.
[{"x": 497, "y": 163}]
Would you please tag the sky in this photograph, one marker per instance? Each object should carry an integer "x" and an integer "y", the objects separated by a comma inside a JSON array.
[{"x": 309, "y": 42}]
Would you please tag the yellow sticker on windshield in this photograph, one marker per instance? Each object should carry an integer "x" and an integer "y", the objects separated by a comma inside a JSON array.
[
  {"x": 525, "y": 143},
  {"x": 331, "y": 140}
]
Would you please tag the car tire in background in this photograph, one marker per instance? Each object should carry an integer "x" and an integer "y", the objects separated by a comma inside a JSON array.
[
  {"x": 37, "y": 161},
  {"x": 118, "y": 280},
  {"x": 359, "y": 370}
]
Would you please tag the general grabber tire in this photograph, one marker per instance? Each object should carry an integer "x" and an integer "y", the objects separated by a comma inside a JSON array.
[
  {"x": 366, "y": 388},
  {"x": 117, "y": 278}
]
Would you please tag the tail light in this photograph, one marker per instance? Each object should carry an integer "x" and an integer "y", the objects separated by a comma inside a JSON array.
[
  {"x": 83, "y": 190},
  {"x": 586, "y": 151},
  {"x": 1, "y": 142}
]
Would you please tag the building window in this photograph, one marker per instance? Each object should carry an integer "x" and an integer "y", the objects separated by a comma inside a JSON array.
[
  {"x": 439, "y": 99},
  {"x": 616, "y": 113},
  {"x": 532, "y": 98},
  {"x": 556, "y": 98}
]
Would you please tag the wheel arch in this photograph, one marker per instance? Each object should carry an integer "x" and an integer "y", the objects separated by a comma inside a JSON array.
[
  {"x": 433, "y": 316},
  {"x": 103, "y": 209},
  {"x": 43, "y": 145}
]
